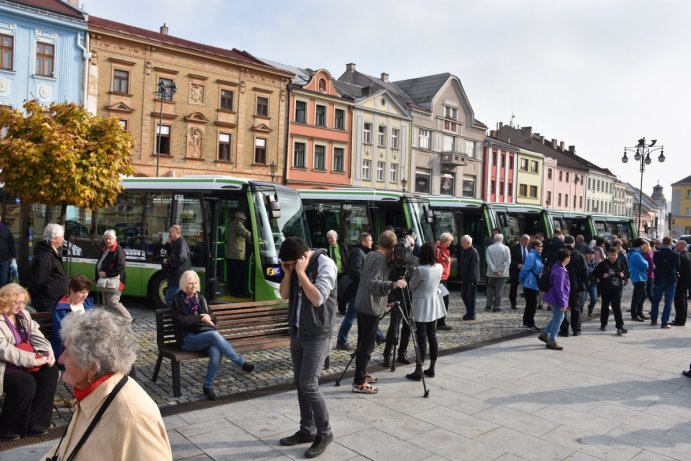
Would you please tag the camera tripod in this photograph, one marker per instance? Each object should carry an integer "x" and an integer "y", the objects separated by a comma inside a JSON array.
[{"x": 405, "y": 314}]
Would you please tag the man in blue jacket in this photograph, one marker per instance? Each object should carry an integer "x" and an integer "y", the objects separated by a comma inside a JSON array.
[
  {"x": 638, "y": 272},
  {"x": 666, "y": 269}
]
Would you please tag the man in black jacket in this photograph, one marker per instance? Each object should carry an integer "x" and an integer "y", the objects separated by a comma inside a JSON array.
[
  {"x": 551, "y": 247},
  {"x": 578, "y": 278},
  {"x": 519, "y": 251},
  {"x": 469, "y": 275},
  {"x": 666, "y": 269},
  {"x": 48, "y": 278},
  {"x": 176, "y": 261},
  {"x": 683, "y": 284}
]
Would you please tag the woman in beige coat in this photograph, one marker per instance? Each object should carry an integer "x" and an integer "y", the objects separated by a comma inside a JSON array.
[{"x": 98, "y": 354}]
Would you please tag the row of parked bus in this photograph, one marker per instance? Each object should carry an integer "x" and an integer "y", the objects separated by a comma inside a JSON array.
[{"x": 204, "y": 205}]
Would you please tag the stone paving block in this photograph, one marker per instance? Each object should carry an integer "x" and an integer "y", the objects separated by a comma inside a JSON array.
[
  {"x": 646, "y": 455},
  {"x": 525, "y": 446},
  {"x": 337, "y": 451},
  {"x": 576, "y": 419},
  {"x": 591, "y": 442},
  {"x": 233, "y": 443},
  {"x": 457, "y": 421},
  {"x": 534, "y": 425},
  {"x": 652, "y": 441},
  {"x": 453, "y": 446},
  {"x": 379, "y": 446},
  {"x": 650, "y": 423},
  {"x": 182, "y": 447}
]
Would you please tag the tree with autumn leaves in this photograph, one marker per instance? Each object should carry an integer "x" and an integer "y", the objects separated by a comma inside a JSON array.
[{"x": 62, "y": 155}]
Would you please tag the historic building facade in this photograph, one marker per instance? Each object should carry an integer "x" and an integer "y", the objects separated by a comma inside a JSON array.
[
  {"x": 529, "y": 182},
  {"x": 619, "y": 198},
  {"x": 191, "y": 108},
  {"x": 500, "y": 172},
  {"x": 43, "y": 52},
  {"x": 681, "y": 207}
]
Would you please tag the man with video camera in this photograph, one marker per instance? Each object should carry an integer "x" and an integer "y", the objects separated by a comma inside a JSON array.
[{"x": 371, "y": 303}]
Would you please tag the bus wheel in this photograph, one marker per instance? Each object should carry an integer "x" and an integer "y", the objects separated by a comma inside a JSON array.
[{"x": 157, "y": 290}]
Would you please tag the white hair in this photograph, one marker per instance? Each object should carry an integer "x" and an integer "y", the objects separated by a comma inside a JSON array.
[
  {"x": 332, "y": 233},
  {"x": 467, "y": 238},
  {"x": 525, "y": 237},
  {"x": 446, "y": 237},
  {"x": 186, "y": 277},
  {"x": 498, "y": 238},
  {"x": 53, "y": 231},
  {"x": 110, "y": 233}
]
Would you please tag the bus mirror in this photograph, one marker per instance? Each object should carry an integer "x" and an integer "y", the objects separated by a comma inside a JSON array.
[{"x": 275, "y": 208}]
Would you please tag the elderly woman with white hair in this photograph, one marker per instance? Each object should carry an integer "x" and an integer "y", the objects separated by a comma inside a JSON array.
[
  {"x": 48, "y": 278},
  {"x": 195, "y": 330},
  {"x": 114, "y": 418},
  {"x": 110, "y": 274}
]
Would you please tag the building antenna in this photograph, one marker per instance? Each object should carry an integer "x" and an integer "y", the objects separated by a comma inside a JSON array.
[{"x": 513, "y": 116}]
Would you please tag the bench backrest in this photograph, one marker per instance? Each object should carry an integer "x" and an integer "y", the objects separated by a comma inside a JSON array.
[
  {"x": 45, "y": 323},
  {"x": 248, "y": 326}
]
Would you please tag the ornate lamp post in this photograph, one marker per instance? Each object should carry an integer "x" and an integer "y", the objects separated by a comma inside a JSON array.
[
  {"x": 162, "y": 91},
  {"x": 642, "y": 153},
  {"x": 272, "y": 170},
  {"x": 404, "y": 182}
]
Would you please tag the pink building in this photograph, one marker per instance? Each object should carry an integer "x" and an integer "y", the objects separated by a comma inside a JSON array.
[{"x": 499, "y": 171}]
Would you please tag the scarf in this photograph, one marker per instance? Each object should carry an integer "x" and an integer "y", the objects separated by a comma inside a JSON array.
[
  {"x": 81, "y": 394},
  {"x": 192, "y": 304}
]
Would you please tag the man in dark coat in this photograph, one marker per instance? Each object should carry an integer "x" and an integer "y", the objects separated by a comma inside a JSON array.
[
  {"x": 519, "y": 251},
  {"x": 578, "y": 278},
  {"x": 551, "y": 247},
  {"x": 666, "y": 270},
  {"x": 176, "y": 261},
  {"x": 581, "y": 244},
  {"x": 683, "y": 284},
  {"x": 469, "y": 275},
  {"x": 48, "y": 278}
]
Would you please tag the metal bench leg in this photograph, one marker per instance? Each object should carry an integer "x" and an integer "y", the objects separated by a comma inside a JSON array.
[
  {"x": 175, "y": 365},
  {"x": 157, "y": 368}
]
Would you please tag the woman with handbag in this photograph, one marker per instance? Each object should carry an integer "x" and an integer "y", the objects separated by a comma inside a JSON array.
[
  {"x": 110, "y": 274},
  {"x": 195, "y": 330},
  {"x": 28, "y": 373},
  {"x": 114, "y": 418}
]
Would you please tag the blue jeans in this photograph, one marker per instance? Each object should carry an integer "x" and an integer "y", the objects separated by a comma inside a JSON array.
[
  {"x": 4, "y": 273},
  {"x": 213, "y": 343},
  {"x": 658, "y": 289},
  {"x": 553, "y": 326},
  {"x": 170, "y": 293},
  {"x": 347, "y": 324},
  {"x": 592, "y": 291}
]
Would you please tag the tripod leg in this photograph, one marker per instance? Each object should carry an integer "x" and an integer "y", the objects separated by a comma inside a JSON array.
[{"x": 352, "y": 357}]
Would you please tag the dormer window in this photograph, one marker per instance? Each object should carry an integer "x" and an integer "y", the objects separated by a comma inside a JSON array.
[{"x": 322, "y": 85}]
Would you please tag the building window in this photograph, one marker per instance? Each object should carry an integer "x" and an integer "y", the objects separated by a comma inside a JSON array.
[
  {"x": 6, "y": 52},
  {"x": 533, "y": 191},
  {"x": 549, "y": 173},
  {"x": 339, "y": 159},
  {"x": 493, "y": 187},
  {"x": 574, "y": 201},
  {"x": 448, "y": 143},
  {"x": 121, "y": 81},
  {"x": 423, "y": 139},
  {"x": 367, "y": 133},
  {"x": 393, "y": 172},
  {"x": 322, "y": 85},
  {"x": 299, "y": 149},
  {"x": 567, "y": 176},
  {"x": 226, "y": 100},
  {"x": 522, "y": 190},
  {"x": 561, "y": 176},
  {"x": 260, "y": 151},
  {"x": 319, "y": 157},
  {"x": 366, "y": 167},
  {"x": 423, "y": 179},
  {"x": 448, "y": 185},
  {"x": 168, "y": 84},
  {"x": 320, "y": 115},
  {"x": 469, "y": 186},
  {"x": 382, "y": 136},
  {"x": 380, "y": 171},
  {"x": 45, "y": 59},
  {"x": 688, "y": 193},
  {"x": 509, "y": 191},
  {"x": 163, "y": 139},
  {"x": 394, "y": 138},
  {"x": 262, "y": 106},
  {"x": 339, "y": 119},
  {"x": 494, "y": 158},
  {"x": 503, "y": 161},
  {"x": 470, "y": 148},
  {"x": 524, "y": 164},
  {"x": 224, "y": 147},
  {"x": 450, "y": 112},
  {"x": 533, "y": 167},
  {"x": 548, "y": 202},
  {"x": 300, "y": 111},
  {"x": 501, "y": 187},
  {"x": 688, "y": 212},
  {"x": 450, "y": 126},
  {"x": 510, "y": 162},
  {"x": 123, "y": 124},
  {"x": 566, "y": 200}
]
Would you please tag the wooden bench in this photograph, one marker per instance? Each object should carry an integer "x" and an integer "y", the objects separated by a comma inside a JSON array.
[
  {"x": 45, "y": 323},
  {"x": 251, "y": 326}
]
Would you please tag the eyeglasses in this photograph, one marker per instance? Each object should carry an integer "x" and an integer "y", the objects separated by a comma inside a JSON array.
[{"x": 19, "y": 303}]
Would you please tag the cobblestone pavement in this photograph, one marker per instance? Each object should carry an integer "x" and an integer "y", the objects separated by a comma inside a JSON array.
[{"x": 273, "y": 367}]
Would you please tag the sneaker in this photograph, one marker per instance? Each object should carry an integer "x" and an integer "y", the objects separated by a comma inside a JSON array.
[
  {"x": 488, "y": 308},
  {"x": 319, "y": 445},
  {"x": 343, "y": 347},
  {"x": 364, "y": 388},
  {"x": 9, "y": 436},
  {"x": 554, "y": 346},
  {"x": 414, "y": 376},
  {"x": 638, "y": 319},
  {"x": 297, "y": 439},
  {"x": 429, "y": 373},
  {"x": 577, "y": 333},
  {"x": 603, "y": 328},
  {"x": 247, "y": 367},
  {"x": 466, "y": 318},
  {"x": 665, "y": 326},
  {"x": 533, "y": 328},
  {"x": 543, "y": 337},
  {"x": 370, "y": 379},
  {"x": 653, "y": 323},
  {"x": 622, "y": 331},
  {"x": 644, "y": 317}
]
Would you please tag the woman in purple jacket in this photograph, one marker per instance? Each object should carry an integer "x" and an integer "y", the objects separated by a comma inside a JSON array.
[{"x": 557, "y": 297}]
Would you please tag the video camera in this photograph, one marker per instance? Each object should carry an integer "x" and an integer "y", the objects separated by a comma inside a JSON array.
[{"x": 402, "y": 261}]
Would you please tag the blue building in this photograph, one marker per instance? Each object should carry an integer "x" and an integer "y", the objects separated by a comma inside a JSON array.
[{"x": 43, "y": 52}]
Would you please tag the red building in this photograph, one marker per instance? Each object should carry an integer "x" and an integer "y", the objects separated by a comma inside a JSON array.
[{"x": 499, "y": 171}]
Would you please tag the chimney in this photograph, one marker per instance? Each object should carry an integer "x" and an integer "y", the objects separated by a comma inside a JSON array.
[
  {"x": 527, "y": 132},
  {"x": 572, "y": 150},
  {"x": 554, "y": 144},
  {"x": 164, "y": 29},
  {"x": 501, "y": 125},
  {"x": 350, "y": 67},
  {"x": 540, "y": 137},
  {"x": 492, "y": 134},
  {"x": 384, "y": 77},
  {"x": 561, "y": 146}
]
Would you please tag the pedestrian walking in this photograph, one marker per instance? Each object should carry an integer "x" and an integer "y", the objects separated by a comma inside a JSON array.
[
  {"x": 110, "y": 274},
  {"x": 578, "y": 278},
  {"x": 610, "y": 275},
  {"x": 683, "y": 284},
  {"x": 531, "y": 270},
  {"x": 498, "y": 259},
  {"x": 519, "y": 252},
  {"x": 638, "y": 272},
  {"x": 469, "y": 276},
  {"x": 666, "y": 270},
  {"x": 557, "y": 297}
]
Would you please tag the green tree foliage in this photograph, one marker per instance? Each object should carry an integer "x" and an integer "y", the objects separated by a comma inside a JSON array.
[{"x": 62, "y": 155}]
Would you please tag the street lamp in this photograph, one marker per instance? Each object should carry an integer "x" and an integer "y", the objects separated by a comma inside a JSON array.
[
  {"x": 404, "y": 182},
  {"x": 642, "y": 153},
  {"x": 272, "y": 170},
  {"x": 162, "y": 91}
]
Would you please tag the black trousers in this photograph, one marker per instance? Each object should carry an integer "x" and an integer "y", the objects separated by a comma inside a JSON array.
[
  {"x": 612, "y": 297},
  {"x": 530, "y": 307},
  {"x": 513, "y": 291},
  {"x": 237, "y": 277},
  {"x": 575, "y": 314},
  {"x": 366, "y": 331},
  {"x": 681, "y": 304},
  {"x": 28, "y": 399},
  {"x": 391, "y": 333},
  {"x": 637, "y": 299},
  {"x": 442, "y": 321},
  {"x": 427, "y": 332}
]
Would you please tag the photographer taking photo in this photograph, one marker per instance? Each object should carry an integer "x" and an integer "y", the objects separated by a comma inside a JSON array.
[{"x": 370, "y": 303}]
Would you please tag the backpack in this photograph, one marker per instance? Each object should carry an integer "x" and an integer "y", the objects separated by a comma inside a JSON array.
[{"x": 543, "y": 281}]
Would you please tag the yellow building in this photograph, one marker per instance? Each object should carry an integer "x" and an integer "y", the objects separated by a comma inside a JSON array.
[
  {"x": 529, "y": 177},
  {"x": 226, "y": 114},
  {"x": 681, "y": 207}
]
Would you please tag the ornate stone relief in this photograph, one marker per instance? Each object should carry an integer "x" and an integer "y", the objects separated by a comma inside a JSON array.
[
  {"x": 196, "y": 94},
  {"x": 194, "y": 143}
]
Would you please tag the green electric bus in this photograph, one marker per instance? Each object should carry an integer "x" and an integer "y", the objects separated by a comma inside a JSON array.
[
  {"x": 514, "y": 220},
  {"x": 622, "y": 226},
  {"x": 145, "y": 210},
  {"x": 350, "y": 211}
]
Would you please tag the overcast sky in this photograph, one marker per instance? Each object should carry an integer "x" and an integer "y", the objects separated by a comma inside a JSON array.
[{"x": 597, "y": 74}]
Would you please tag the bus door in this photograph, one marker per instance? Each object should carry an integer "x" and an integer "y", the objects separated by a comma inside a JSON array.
[
  {"x": 447, "y": 220},
  {"x": 322, "y": 217},
  {"x": 187, "y": 212}
]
